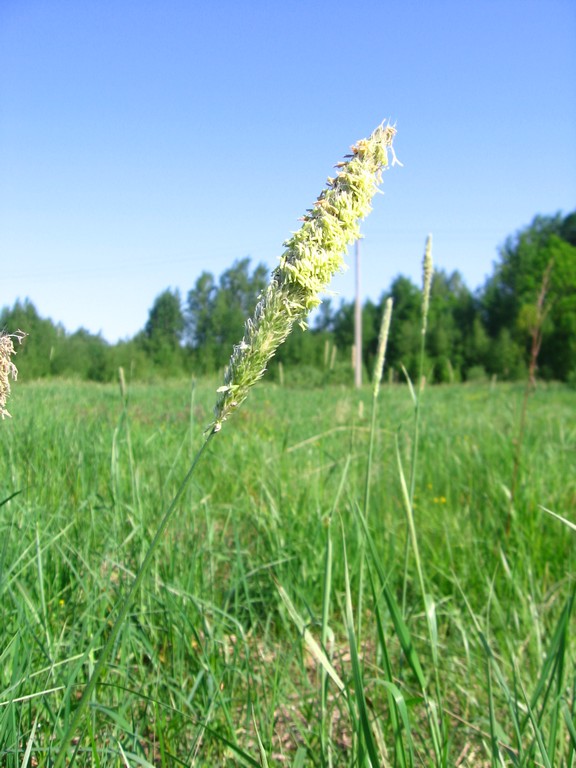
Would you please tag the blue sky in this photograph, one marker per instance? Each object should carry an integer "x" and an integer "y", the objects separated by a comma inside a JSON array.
[{"x": 144, "y": 142}]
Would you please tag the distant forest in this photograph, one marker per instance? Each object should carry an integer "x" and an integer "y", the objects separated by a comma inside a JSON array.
[{"x": 529, "y": 300}]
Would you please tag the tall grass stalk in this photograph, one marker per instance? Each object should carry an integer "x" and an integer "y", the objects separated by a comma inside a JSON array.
[
  {"x": 326, "y": 634},
  {"x": 376, "y": 381},
  {"x": 313, "y": 255},
  {"x": 416, "y": 393},
  {"x": 427, "y": 274},
  {"x": 433, "y": 706}
]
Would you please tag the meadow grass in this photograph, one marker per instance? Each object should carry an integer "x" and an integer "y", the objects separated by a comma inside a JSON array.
[{"x": 244, "y": 645}]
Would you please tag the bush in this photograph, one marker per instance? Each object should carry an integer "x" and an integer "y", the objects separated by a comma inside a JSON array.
[{"x": 476, "y": 374}]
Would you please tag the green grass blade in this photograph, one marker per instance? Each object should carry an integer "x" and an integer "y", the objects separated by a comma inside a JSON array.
[
  {"x": 410, "y": 385},
  {"x": 299, "y": 758},
  {"x": 261, "y": 750},
  {"x": 313, "y": 645},
  {"x": 553, "y": 667},
  {"x": 400, "y": 626},
  {"x": 495, "y": 756},
  {"x": 559, "y": 517},
  {"x": 570, "y": 726},
  {"x": 30, "y": 743},
  {"x": 8, "y": 498},
  {"x": 537, "y": 730},
  {"x": 400, "y": 752},
  {"x": 369, "y": 741},
  {"x": 400, "y": 707}
]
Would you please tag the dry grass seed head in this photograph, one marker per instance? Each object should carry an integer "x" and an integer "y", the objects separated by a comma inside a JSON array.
[{"x": 7, "y": 368}]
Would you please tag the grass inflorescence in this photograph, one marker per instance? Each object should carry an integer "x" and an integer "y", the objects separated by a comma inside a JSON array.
[{"x": 313, "y": 255}]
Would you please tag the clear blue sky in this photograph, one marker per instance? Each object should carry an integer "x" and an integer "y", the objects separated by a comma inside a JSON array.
[{"x": 144, "y": 142}]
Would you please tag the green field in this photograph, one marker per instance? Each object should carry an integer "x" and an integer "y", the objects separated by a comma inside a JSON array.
[{"x": 274, "y": 626}]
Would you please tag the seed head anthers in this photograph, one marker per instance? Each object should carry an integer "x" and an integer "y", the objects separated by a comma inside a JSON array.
[{"x": 313, "y": 255}]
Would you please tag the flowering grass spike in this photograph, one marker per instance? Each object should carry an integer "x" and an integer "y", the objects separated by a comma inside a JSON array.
[
  {"x": 382, "y": 344},
  {"x": 427, "y": 274},
  {"x": 312, "y": 257},
  {"x": 7, "y": 368}
]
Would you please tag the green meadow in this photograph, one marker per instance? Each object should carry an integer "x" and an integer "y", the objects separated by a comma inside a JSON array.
[{"x": 336, "y": 586}]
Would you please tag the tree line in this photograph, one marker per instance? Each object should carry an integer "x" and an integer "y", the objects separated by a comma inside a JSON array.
[{"x": 528, "y": 303}]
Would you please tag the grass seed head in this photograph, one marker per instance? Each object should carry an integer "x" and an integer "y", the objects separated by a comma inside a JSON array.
[
  {"x": 427, "y": 272},
  {"x": 382, "y": 344},
  {"x": 7, "y": 368},
  {"x": 313, "y": 255}
]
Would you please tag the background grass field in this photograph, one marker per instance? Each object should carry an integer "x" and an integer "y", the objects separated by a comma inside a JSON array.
[{"x": 216, "y": 664}]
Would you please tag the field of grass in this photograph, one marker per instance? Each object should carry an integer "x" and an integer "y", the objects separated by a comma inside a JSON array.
[{"x": 302, "y": 608}]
